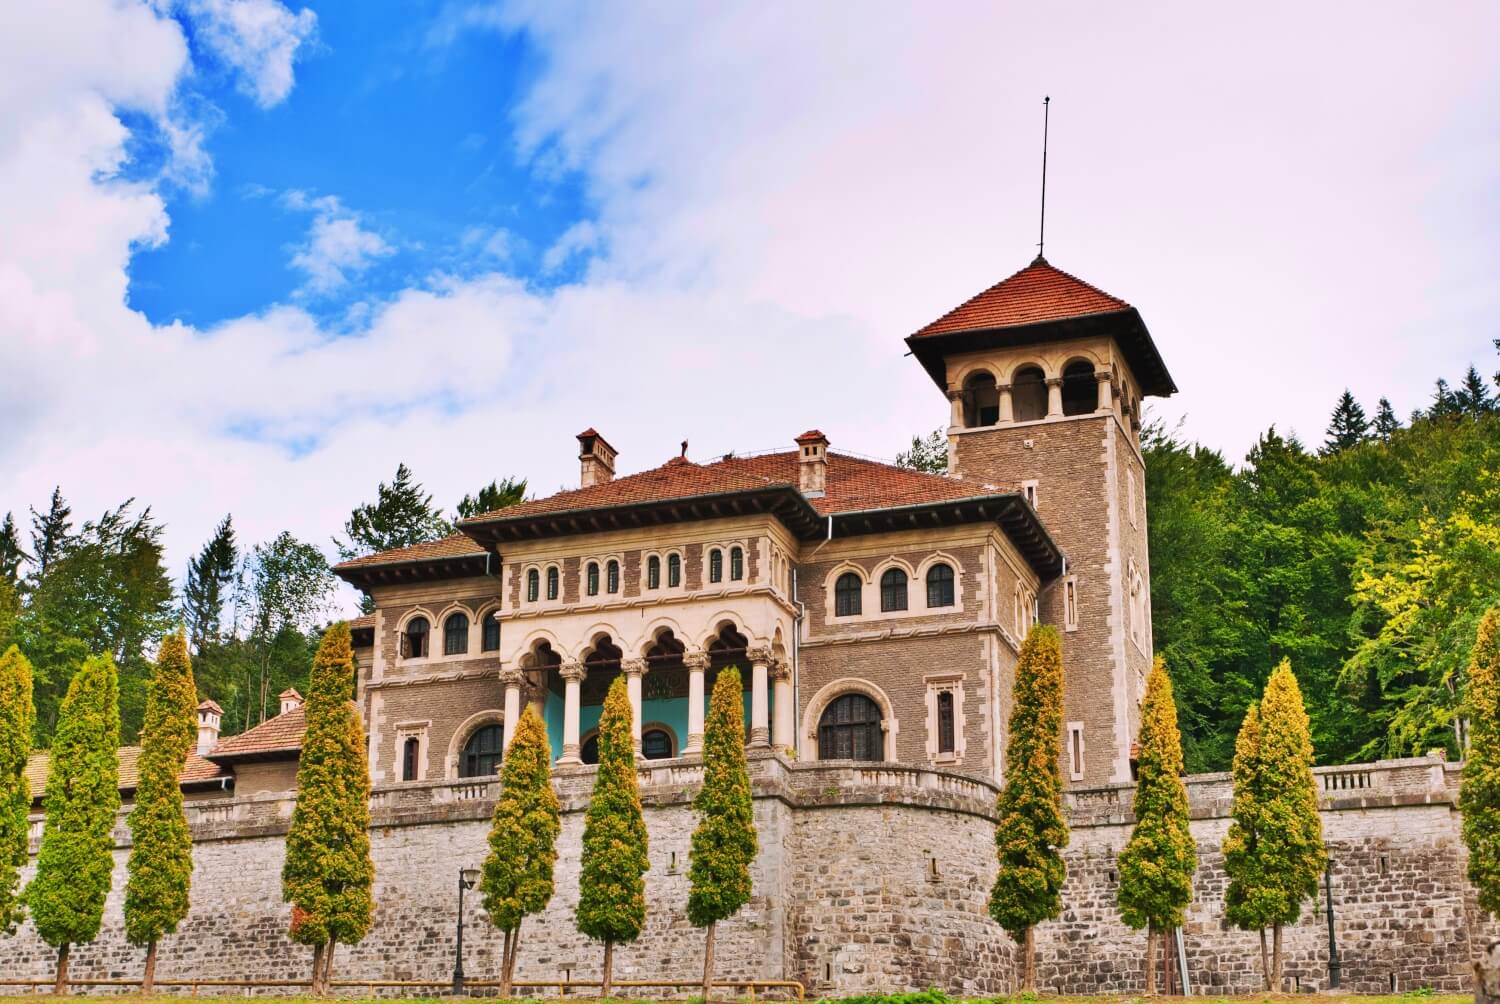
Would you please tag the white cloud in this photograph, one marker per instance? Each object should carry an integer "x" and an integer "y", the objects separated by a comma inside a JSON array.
[
  {"x": 259, "y": 39},
  {"x": 580, "y": 237},
  {"x": 338, "y": 246}
]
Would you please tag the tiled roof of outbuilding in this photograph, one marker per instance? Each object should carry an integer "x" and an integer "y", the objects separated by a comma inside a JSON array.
[
  {"x": 282, "y": 734},
  {"x": 196, "y": 769}
]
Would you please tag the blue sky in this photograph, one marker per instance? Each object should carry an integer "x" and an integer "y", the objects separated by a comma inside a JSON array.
[{"x": 256, "y": 253}]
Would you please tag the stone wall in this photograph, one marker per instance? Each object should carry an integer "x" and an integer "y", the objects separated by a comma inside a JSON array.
[{"x": 870, "y": 877}]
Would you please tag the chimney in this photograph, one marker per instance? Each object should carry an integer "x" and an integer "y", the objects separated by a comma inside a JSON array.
[
  {"x": 596, "y": 458},
  {"x": 812, "y": 463},
  {"x": 290, "y": 700},
  {"x": 209, "y": 717}
]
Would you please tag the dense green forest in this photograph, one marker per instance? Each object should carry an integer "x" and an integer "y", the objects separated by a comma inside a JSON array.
[{"x": 1366, "y": 560}]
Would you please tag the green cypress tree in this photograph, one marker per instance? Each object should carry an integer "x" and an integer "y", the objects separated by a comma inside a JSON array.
[
  {"x": 1157, "y": 864},
  {"x": 1030, "y": 832},
  {"x": 611, "y": 883},
  {"x": 161, "y": 853},
  {"x": 1274, "y": 850},
  {"x": 328, "y": 873},
  {"x": 17, "y": 717},
  {"x": 1479, "y": 794},
  {"x": 724, "y": 844},
  {"x": 523, "y": 839},
  {"x": 75, "y": 864}
]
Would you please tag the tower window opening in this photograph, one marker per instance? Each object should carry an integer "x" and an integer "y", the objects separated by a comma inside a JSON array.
[
  {"x": 593, "y": 578},
  {"x": 1029, "y": 394},
  {"x": 981, "y": 401},
  {"x": 1080, "y": 391}
]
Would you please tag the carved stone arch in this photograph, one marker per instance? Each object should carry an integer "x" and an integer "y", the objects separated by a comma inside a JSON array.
[
  {"x": 890, "y": 727},
  {"x": 466, "y": 728},
  {"x": 719, "y": 621},
  {"x": 653, "y": 631},
  {"x": 589, "y": 639},
  {"x": 418, "y": 611},
  {"x": 976, "y": 367},
  {"x": 919, "y": 581}
]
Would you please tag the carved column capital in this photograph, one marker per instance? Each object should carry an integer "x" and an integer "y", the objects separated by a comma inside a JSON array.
[
  {"x": 1054, "y": 381},
  {"x": 758, "y": 654},
  {"x": 955, "y": 394},
  {"x": 633, "y": 667},
  {"x": 1102, "y": 374},
  {"x": 512, "y": 677},
  {"x": 572, "y": 670},
  {"x": 781, "y": 669},
  {"x": 695, "y": 660}
]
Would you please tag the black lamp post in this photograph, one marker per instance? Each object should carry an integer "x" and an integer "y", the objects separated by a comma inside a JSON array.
[
  {"x": 1335, "y": 967},
  {"x": 467, "y": 877}
]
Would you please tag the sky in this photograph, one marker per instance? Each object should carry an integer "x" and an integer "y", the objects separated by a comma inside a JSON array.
[{"x": 254, "y": 254}]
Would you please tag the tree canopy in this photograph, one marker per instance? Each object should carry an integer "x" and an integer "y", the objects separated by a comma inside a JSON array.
[
  {"x": 16, "y": 718},
  {"x": 1479, "y": 795}
]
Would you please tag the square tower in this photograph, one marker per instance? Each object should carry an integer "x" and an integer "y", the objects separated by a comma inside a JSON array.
[{"x": 1045, "y": 376}]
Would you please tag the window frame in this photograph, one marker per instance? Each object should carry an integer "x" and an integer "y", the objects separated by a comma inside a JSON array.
[
  {"x": 456, "y": 640},
  {"x": 533, "y": 585},
  {"x": 591, "y": 578},
  {"x": 425, "y": 646},
  {"x": 487, "y": 623},
  {"x": 715, "y": 565},
  {"x": 653, "y": 572},
  {"x": 658, "y": 730},
  {"x": 950, "y": 583},
  {"x": 411, "y": 753},
  {"x": 855, "y": 594},
  {"x": 890, "y": 600},
  {"x": 554, "y": 583},
  {"x": 465, "y": 756},
  {"x": 831, "y": 733},
  {"x": 612, "y": 576},
  {"x": 736, "y": 564},
  {"x": 674, "y": 571},
  {"x": 947, "y": 727}
]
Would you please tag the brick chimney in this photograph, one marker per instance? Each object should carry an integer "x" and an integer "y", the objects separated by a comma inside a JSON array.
[
  {"x": 209, "y": 717},
  {"x": 812, "y": 463},
  {"x": 596, "y": 459},
  {"x": 290, "y": 700}
]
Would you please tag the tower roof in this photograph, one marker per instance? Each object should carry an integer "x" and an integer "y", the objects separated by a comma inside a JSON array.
[{"x": 1039, "y": 304}]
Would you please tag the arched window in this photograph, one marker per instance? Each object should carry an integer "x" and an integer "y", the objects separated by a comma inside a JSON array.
[
  {"x": 1028, "y": 394},
  {"x": 490, "y": 634},
  {"x": 481, "y": 756},
  {"x": 674, "y": 571},
  {"x": 612, "y": 577},
  {"x": 893, "y": 590},
  {"x": 981, "y": 401},
  {"x": 409, "y": 750},
  {"x": 552, "y": 579},
  {"x": 656, "y": 744},
  {"x": 533, "y": 586},
  {"x": 456, "y": 634},
  {"x": 850, "y": 730},
  {"x": 414, "y": 640},
  {"x": 592, "y": 578},
  {"x": 589, "y": 751},
  {"x": 847, "y": 595},
  {"x": 716, "y": 565},
  {"x": 653, "y": 572},
  {"x": 1080, "y": 391},
  {"x": 945, "y": 736},
  {"x": 940, "y": 586},
  {"x": 736, "y": 563}
]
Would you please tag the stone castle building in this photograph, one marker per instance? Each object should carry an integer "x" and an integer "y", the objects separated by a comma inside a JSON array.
[{"x": 878, "y": 613}]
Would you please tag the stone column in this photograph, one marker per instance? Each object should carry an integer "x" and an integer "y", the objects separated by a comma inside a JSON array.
[
  {"x": 1007, "y": 412},
  {"x": 955, "y": 409},
  {"x": 634, "y": 669},
  {"x": 512, "y": 679},
  {"x": 1054, "y": 397},
  {"x": 1106, "y": 390},
  {"x": 696, "y": 663},
  {"x": 783, "y": 726},
  {"x": 572, "y": 674},
  {"x": 760, "y": 724}
]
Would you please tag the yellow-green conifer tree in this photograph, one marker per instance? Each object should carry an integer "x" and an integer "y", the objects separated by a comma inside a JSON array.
[
  {"x": 1479, "y": 794},
  {"x": 611, "y": 883},
  {"x": 161, "y": 852},
  {"x": 1157, "y": 864},
  {"x": 76, "y": 862},
  {"x": 17, "y": 716},
  {"x": 1274, "y": 849},
  {"x": 523, "y": 839},
  {"x": 724, "y": 843},
  {"x": 1030, "y": 833},
  {"x": 328, "y": 873}
]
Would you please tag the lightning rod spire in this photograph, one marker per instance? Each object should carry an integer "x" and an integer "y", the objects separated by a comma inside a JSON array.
[{"x": 1041, "y": 243}]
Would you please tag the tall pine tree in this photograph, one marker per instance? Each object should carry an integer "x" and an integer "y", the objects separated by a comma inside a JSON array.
[
  {"x": 724, "y": 844},
  {"x": 401, "y": 515},
  {"x": 49, "y": 532},
  {"x": 11, "y": 554},
  {"x": 523, "y": 839},
  {"x": 1386, "y": 422},
  {"x": 1274, "y": 851},
  {"x": 209, "y": 579},
  {"x": 493, "y": 496},
  {"x": 17, "y": 716},
  {"x": 328, "y": 873},
  {"x": 1157, "y": 864},
  {"x": 161, "y": 852},
  {"x": 1473, "y": 397},
  {"x": 74, "y": 866},
  {"x": 611, "y": 883},
  {"x": 1348, "y": 427},
  {"x": 1479, "y": 793},
  {"x": 1030, "y": 831}
]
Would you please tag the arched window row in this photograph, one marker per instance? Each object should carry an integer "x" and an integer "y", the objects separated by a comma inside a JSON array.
[
  {"x": 718, "y": 556},
  {"x": 941, "y": 591},
  {"x": 416, "y": 641},
  {"x": 1031, "y": 395}
]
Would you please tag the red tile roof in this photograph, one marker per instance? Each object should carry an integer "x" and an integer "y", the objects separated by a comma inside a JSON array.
[
  {"x": 282, "y": 734},
  {"x": 455, "y": 546},
  {"x": 1035, "y": 295},
  {"x": 196, "y": 769}
]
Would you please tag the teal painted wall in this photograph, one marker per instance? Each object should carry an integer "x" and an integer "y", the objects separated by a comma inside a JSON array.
[{"x": 671, "y": 712}]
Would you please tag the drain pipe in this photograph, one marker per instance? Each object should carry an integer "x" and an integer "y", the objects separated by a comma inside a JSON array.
[{"x": 797, "y": 663}]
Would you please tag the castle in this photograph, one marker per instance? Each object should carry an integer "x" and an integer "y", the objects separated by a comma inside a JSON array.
[{"x": 879, "y": 613}]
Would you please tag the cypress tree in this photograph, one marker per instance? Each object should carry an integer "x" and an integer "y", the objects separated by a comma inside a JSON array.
[
  {"x": 1030, "y": 832},
  {"x": 1157, "y": 865},
  {"x": 1348, "y": 427},
  {"x": 523, "y": 839},
  {"x": 1274, "y": 849},
  {"x": 17, "y": 717},
  {"x": 724, "y": 844},
  {"x": 75, "y": 864},
  {"x": 611, "y": 883},
  {"x": 1479, "y": 794},
  {"x": 328, "y": 873},
  {"x": 161, "y": 854}
]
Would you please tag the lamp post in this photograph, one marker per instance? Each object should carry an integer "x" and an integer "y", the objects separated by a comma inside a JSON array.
[
  {"x": 467, "y": 877},
  {"x": 1335, "y": 967}
]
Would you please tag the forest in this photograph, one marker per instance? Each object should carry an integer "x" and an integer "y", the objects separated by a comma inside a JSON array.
[{"x": 1366, "y": 559}]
